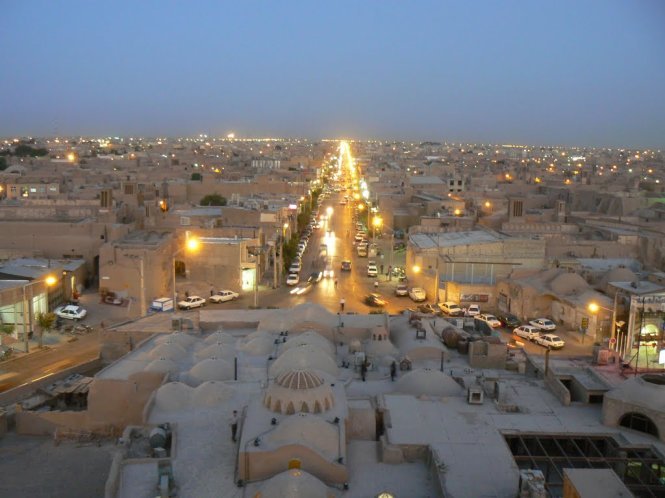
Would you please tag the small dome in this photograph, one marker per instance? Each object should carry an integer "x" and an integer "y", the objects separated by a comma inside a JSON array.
[
  {"x": 162, "y": 365},
  {"x": 306, "y": 430},
  {"x": 304, "y": 358},
  {"x": 294, "y": 483},
  {"x": 216, "y": 350},
  {"x": 180, "y": 338},
  {"x": 212, "y": 394},
  {"x": 173, "y": 396},
  {"x": 309, "y": 338},
  {"x": 428, "y": 382},
  {"x": 169, "y": 350},
  {"x": 211, "y": 369},
  {"x": 257, "y": 344},
  {"x": 380, "y": 348},
  {"x": 568, "y": 283},
  {"x": 299, "y": 379},
  {"x": 619, "y": 275},
  {"x": 220, "y": 336}
]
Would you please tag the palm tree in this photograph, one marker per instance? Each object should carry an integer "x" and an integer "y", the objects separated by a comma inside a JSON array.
[{"x": 45, "y": 322}]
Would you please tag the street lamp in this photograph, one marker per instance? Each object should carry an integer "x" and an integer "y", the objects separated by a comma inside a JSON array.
[
  {"x": 376, "y": 223},
  {"x": 49, "y": 280},
  {"x": 191, "y": 245},
  {"x": 594, "y": 308}
]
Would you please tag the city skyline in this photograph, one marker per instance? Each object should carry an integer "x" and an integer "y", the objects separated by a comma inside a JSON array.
[{"x": 564, "y": 74}]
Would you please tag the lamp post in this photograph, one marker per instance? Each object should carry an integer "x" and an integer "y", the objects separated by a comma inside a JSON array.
[
  {"x": 594, "y": 308},
  {"x": 376, "y": 223},
  {"x": 50, "y": 280},
  {"x": 191, "y": 244}
]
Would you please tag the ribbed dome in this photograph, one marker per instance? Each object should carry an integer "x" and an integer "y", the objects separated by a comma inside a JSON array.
[{"x": 299, "y": 379}]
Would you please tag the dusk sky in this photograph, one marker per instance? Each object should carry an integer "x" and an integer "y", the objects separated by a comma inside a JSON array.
[{"x": 539, "y": 72}]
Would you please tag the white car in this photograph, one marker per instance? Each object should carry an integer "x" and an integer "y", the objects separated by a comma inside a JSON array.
[
  {"x": 490, "y": 320},
  {"x": 295, "y": 267},
  {"x": 401, "y": 290},
  {"x": 223, "y": 296},
  {"x": 550, "y": 341},
  {"x": 417, "y": 294},
  {"x": 543, "y": 324},
  {"x": 191, "y": 302},
  {"x": 71, "y": 312},
  {"x": 528, "y": 332},
  {"x": 451, "y": 309},
  {"x": 372, "y": 271},
  {"x": 292, "y": 279},
  {"x": 473, "y": 310},
  {"x": 328, "y": 271}
]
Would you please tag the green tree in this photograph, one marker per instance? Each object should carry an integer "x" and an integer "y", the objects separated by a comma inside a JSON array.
[
  {"x": 6, "y": 328},
  {"x": 213, "y": 200},
  {"x": 3, "y": 163},
  {"x": 45, "y": 322},
  {"x": 196, "y": 177}
]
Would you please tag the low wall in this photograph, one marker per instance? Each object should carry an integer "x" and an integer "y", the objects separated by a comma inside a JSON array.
[
  {"x": 115, "y": 344},
  {"x": 557, "y": 388},
  {"x": 434, "y": 465}
]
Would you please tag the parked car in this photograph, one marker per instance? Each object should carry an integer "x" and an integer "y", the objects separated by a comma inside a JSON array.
[
  {"x": 223, "y": 296},
  {"x": 550, "y": 341},
  {"x": 401, "y": 290},
  {"x": 543, "y": 324},
  {"x": 428, "y": 309},
  {"x": 417, "y": 294},
  {"x": 346, "y": 265},
  {"x": 491, "y": 320},
  {"x": 375, "y": 300},
  {"x": 191, "y": 302},
  {"x": 71, "y": 312},
  {"x": 528, "y": 332},
  {"x": 315, "y": 277},
  {"x": 508, "y": 320},
  {"x": 473, "y": 310},
  {"x": 451, "y": 309},
  {"x": 296, "y": 266},
  {"x": 292, "y": 279}
]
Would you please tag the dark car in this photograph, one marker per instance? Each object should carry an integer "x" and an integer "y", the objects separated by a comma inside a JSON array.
[
  {"x": 315, "y": 277},
  {"x": 374, "y": 300},
  {"x": 346, "y": 265},
  {"x": 509, "y": 320}
]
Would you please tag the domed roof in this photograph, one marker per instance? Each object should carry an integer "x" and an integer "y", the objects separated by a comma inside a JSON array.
[
  {"x": 299, "y": 391},
  {"x": 179, "y": 338},
  {"x": 162, "y": 365},
  {"x": 568, "y": 283},
  {"x": 169, "y": 350},
  {"x": 257, "y": 343},
  {"x": 212, "y": 393},
  {"x": 299, "y": 379},
  {"x": 216, "y": 350},
  {"x": 305, "y": 357},
  {"x": 219, "y": 336},
  {"x": 211, "y": 369},
  {"x": 307, "y": 430},
  {"x": 428, "y": 382},
  {"x": 173, "y": 396},
  {"x": 619, "y": 274},
  {"x": 380, "y": 348},
  {"x": 312, "y": 338},
  {"x": 294, "y": 483}
]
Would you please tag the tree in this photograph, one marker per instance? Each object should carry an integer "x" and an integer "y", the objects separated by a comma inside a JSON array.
[
  {"x": 45, "y": 322},
  {"x": 6, "y": 328},
  {"x": 196, "y": 177},
  {"x": 3, "y": 163},
  {"x": 213, "y": 200}
]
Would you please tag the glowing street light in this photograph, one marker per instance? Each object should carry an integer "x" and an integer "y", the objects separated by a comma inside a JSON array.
[
  {"x": 416, "y": 269},
  {"x": 191, "y": 245}
]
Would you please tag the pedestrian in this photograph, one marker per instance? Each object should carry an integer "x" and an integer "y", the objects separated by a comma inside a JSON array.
[
  {"x": 212, "y": 291},
  {"x": 234, "y": 425},
  {"x": 186, "y": 294},
  {"x": 376, "y": 284},
  {"x": 363, "y": 370},
  {"x": 393, "y": 371},
  {"x": 342, "y": 302},
  {"x": 335, "y": 283}
]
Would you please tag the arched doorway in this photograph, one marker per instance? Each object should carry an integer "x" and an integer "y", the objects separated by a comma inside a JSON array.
[{"x": 638, "y": 422}]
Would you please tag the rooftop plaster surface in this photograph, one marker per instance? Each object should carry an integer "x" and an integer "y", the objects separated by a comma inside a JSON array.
[
  {"x": 573, "y": 367},
  {"x": 449, "y": 239},
  {"x": 467, "y": 439}
]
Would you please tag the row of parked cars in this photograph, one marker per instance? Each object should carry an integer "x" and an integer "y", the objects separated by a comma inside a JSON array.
[
  {"x": 222, "y": 296},
  {"x": 538, "y": 330}
]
